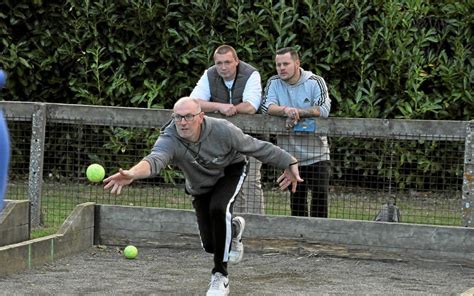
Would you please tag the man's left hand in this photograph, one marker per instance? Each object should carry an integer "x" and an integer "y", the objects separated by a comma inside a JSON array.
[{"x": 290, "y": 176}]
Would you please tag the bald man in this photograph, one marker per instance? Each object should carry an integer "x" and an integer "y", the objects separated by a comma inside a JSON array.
[{"x": 211, "y": 154}]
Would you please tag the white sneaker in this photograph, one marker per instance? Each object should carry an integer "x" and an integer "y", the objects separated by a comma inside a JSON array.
[
  {"x": 219, "y": 285},
  {"x": 237, "y": 249}
]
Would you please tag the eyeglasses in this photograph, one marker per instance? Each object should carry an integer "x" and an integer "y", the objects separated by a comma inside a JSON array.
[{"x": 187, "y": 117}]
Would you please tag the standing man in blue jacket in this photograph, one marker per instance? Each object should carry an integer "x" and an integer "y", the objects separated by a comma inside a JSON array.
[
  {"x": 232, "y": 87},
  {"x": 296, "y": 94}
]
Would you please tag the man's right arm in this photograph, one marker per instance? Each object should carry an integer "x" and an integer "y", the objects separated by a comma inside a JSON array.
[
  {"x": 276, "y": 110},
  {"x": 125, "y": 177},
  {"x": 141, "y": 170},
  {"x": 270, "y": 102},
  {"x": 273, "y": 107}
]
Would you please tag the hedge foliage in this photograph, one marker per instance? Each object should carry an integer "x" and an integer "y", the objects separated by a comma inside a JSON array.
[{"x": 380, "y": 59}]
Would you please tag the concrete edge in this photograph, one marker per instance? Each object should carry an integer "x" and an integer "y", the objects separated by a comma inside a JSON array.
[
  {"x": 74, "y": 236},
  {"x": 121, "y": 225},
  {"x": 91, "y": 224},
  {"x": 7, "y": 208},
  {"x": 14, "y": 222}
]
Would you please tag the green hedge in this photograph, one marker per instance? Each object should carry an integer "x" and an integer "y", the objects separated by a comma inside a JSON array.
[
  {"x": 380, "y": 59},
  {"x": 383, "y": 59}
]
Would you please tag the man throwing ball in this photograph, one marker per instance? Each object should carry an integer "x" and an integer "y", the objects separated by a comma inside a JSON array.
[{"x": 211, "y": 153}]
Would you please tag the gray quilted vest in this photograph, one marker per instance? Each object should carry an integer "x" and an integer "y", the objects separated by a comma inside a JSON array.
[{"x": 219, "y": 91}]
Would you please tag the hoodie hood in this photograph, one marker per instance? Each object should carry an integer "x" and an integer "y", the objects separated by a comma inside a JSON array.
[{"x": 305, "y": 75}]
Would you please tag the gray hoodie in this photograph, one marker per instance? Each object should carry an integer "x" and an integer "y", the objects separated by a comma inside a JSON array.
[
  {"x": 308, "y": 92},
  {"x": 220, "y": 144}
]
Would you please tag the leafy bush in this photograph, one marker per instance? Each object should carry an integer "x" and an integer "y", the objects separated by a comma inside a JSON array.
[
  {"x": 384, "y": 59},
  {"x": 380, "y": 59}
]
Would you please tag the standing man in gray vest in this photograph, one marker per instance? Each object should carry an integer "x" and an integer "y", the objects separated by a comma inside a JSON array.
[{"x": 231, "y": 87}]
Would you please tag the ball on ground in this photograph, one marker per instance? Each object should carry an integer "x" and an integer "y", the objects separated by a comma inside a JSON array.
[
  {"x": 130, "y": 252},
  {"x": 95, "y": 172},
  {"x": 3, "y": 78}
]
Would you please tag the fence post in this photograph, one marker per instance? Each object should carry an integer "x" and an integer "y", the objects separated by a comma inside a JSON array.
[
  {"x": 468, "y": 178},
  {"x": 35, "y": 180}
]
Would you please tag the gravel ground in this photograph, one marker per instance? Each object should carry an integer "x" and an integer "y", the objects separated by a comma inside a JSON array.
[{"x": 268, "y": 268}]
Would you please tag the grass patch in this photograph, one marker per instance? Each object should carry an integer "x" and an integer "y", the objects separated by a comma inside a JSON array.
[
  {"x": 43, "y": 231},
  {"x": 59, "y": 199}
]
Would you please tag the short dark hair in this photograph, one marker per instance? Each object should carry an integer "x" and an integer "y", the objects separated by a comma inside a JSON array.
[
  {"x": 293, "y": 52},
  {"x": 223, "y": 49}
]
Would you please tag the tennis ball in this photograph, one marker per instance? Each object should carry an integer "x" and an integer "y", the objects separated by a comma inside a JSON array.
[
  {"x": 130, "y": 252},
  {"x": 3, "y": 78},
  {"x": 95, "y": 172}
]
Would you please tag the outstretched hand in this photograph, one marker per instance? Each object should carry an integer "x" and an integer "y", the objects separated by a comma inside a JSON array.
[
  {"x": 118, "y": 180},
  {"x": 290, "y": 176}
]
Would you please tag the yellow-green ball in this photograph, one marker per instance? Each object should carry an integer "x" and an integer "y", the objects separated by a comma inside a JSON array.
[
  {"x": 130, "y": 252},
  {"x": 95, "y": 172}
]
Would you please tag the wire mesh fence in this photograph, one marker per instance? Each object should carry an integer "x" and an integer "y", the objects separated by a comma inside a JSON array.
[{"x": 421, "y": 170}]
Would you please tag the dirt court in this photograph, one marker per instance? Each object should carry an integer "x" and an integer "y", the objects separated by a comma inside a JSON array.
[{"x": 268, "y": 268}]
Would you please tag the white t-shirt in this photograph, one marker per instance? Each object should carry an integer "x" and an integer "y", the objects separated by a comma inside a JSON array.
[{"x": 252, "y": 91}]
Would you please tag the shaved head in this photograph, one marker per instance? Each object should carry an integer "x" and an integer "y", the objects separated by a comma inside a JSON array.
[{"x": 187, "y": 101}]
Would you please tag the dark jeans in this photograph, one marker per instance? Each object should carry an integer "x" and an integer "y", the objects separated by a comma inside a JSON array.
[{"x": 316, "y": 178}]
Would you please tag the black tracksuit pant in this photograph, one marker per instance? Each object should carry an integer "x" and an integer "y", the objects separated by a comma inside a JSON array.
[{"x": 214, "y": 215}]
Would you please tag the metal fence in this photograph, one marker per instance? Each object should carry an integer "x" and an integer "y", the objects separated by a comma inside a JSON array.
[{"x": 425, "y": 166}]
